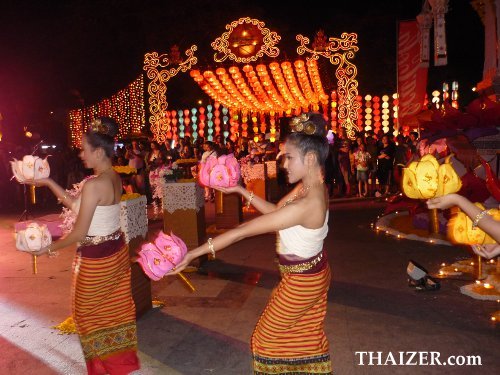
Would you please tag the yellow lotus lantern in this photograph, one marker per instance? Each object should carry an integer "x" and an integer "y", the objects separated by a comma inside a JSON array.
[
  {"x": 426, "y": 178},
  {"x": 460, "y": 228}
]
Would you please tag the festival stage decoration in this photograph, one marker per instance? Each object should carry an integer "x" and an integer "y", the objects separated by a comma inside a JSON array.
[
  {"x": 265, "y": 89},
  {"x": 161, "y": 256},
  {"x": 339, "y": 51},
  {"x": 158, "y": 71},
  {"x": 246, "y": 40},
  {"x": 223, "y": 171},
  {"x": 426, "y": 178},
  {"x": 461, "y": 230},
  {"x": 32, "y": 239}
]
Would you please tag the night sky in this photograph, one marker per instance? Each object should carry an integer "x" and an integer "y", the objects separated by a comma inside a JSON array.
[{"x": 54, "y": 54}]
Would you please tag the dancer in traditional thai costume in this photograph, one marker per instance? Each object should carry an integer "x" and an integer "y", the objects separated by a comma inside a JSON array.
[
  {"x": 103, "y": 309},
  {"x": 289, "y": 336}
]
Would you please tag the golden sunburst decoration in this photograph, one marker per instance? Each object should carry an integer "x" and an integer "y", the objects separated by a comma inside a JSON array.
[{"x": 246, "y": 40}]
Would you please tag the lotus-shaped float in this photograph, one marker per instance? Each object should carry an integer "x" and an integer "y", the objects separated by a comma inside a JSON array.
[
  {"x": 30, "y": 168},
  {"x": 223, "y": 171},
  {"x": 161, "y": 256},
  {"x": 426, "y": 178},
  {"x": 460, "y": 228},
  {"x": 33, "y": 238}
]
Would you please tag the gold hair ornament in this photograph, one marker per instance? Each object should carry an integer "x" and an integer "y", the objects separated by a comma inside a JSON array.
[
  {"x": 98, "y": 127},
  {"x": 301, "y": 124}
]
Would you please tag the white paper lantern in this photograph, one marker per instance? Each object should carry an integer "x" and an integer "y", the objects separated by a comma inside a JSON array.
[
  {"x": 33, "y": 238},
  {"x": 30, "y": 168}
]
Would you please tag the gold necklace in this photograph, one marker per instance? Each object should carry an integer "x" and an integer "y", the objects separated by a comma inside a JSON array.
[
  {"x": 301, "y": 193},
  {"x": 107, "y": 169}
]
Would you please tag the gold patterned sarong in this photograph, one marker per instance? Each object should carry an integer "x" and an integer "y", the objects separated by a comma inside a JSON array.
[
  {"x": 289, "y": 337},
  {"x": 103, "y": 308}
]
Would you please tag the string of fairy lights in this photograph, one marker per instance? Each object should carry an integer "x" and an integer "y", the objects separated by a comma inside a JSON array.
[{"x": 126, "y": 107}]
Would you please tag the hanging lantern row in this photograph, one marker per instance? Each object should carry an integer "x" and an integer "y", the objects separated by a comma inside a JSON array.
[{"x": 281, "y": 88}]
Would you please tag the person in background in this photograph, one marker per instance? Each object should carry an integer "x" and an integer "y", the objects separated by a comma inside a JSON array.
[
  {"x": 343, "y": 145},
  {"x": 385, "y": 160},
  {"x": 209, "y": 151},
  {"x": 103, "y": 308},
  {"x": 135, "y": 156},
  {"x": 372, "y": 148},
  {"x": 361, "y": 163},
  {"x": 480, "y": 218},
  {"x": 289, "y": 336}
]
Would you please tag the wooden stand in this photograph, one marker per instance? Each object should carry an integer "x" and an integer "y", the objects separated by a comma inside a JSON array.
[
  {"x": 141, "y": 284},
  {"x": 228, "y": 210},
  {"x": 189, "y": 225},
  {"x": 134, "y": 215}
]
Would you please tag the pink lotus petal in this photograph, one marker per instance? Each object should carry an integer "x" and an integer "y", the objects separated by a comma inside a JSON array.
[
  {"x": 154, "y": 264},
  {"x": 219, "y": 176},
  {"x": 180, "y": 243},
  {"x": 222, "y": 159}
]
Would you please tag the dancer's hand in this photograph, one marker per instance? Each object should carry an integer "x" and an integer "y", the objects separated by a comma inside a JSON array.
[
  {"x": 238, "y": 189},
  {"x": 183, "y": 264},
  {"x": 43, "y": 250},
  {"x": 487, "y": 251},
  {"x": 446, "y": 201},
  {"x": 39, "y": 182}
]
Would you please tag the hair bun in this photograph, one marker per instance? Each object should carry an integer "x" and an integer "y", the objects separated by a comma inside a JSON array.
[
  {"x": 105, "y": 126},
  {"x": 310, "y": 123}
]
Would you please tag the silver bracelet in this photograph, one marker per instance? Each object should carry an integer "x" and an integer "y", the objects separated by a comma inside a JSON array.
[
  {"x": 478, "y": 217},
  {"x": 250, "y": 198},
  {"x": 51, "y": 253},
  {"x": 211, "y": 247}
]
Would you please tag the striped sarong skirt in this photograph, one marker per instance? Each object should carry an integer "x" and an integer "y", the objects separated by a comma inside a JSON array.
[
  {"x": 103, "y": 308},
  {"x": 289, "y": 337}
]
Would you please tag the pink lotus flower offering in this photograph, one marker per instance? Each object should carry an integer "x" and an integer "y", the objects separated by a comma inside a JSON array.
[
  {"x": 158, "y": 258},
  {"x": 223, "y": 171}
]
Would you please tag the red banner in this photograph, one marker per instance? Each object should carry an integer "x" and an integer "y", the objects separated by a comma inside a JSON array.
[{"x": 412, "y": 77}]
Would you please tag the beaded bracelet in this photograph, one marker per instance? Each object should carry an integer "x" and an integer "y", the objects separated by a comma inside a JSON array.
[
  {"x": 60, "y": 200},
  {"x": 250, "y": 198},
  {"x": 478, "y": 217},
  {"x": 211, "y": 247},
  {"x": 51, "y": 253}
]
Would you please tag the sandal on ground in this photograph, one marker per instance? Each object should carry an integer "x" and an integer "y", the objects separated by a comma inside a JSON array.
[{"x": 425, "y": 283}]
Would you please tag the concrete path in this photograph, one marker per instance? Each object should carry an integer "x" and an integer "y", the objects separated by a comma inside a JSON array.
[{"x": 370, "y": 309}]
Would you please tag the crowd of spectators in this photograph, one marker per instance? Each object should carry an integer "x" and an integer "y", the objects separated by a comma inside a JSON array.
[{"x": 368, "y": 166}]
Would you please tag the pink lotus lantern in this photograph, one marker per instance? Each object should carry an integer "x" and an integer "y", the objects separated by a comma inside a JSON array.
[
  {"x": 160, "y": 257},
  {"x": 30, "y": 168},
  {"x": 223, "y": 171}
]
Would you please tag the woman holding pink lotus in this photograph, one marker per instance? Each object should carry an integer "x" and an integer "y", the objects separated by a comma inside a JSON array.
[
  {"x": 103, "y": 309},
  {"x": 297, "y": 344}
]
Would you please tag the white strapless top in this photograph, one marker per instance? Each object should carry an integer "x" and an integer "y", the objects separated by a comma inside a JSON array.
[
  {"x": 106, "y": 219},
  {"x": 301, "y": 241}
]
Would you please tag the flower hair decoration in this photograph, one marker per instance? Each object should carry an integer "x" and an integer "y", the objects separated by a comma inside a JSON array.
[
  {"x": 98, "y": 127},
  {"x": 302, "y": 124}
]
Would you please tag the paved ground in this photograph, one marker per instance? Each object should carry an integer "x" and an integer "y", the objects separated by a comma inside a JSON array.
[{"x": 370, "y": 309}]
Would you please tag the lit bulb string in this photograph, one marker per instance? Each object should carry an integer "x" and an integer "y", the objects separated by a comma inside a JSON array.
[
  {"x": 383, "y": 225},
  {"x": 126, "y": 107}
]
